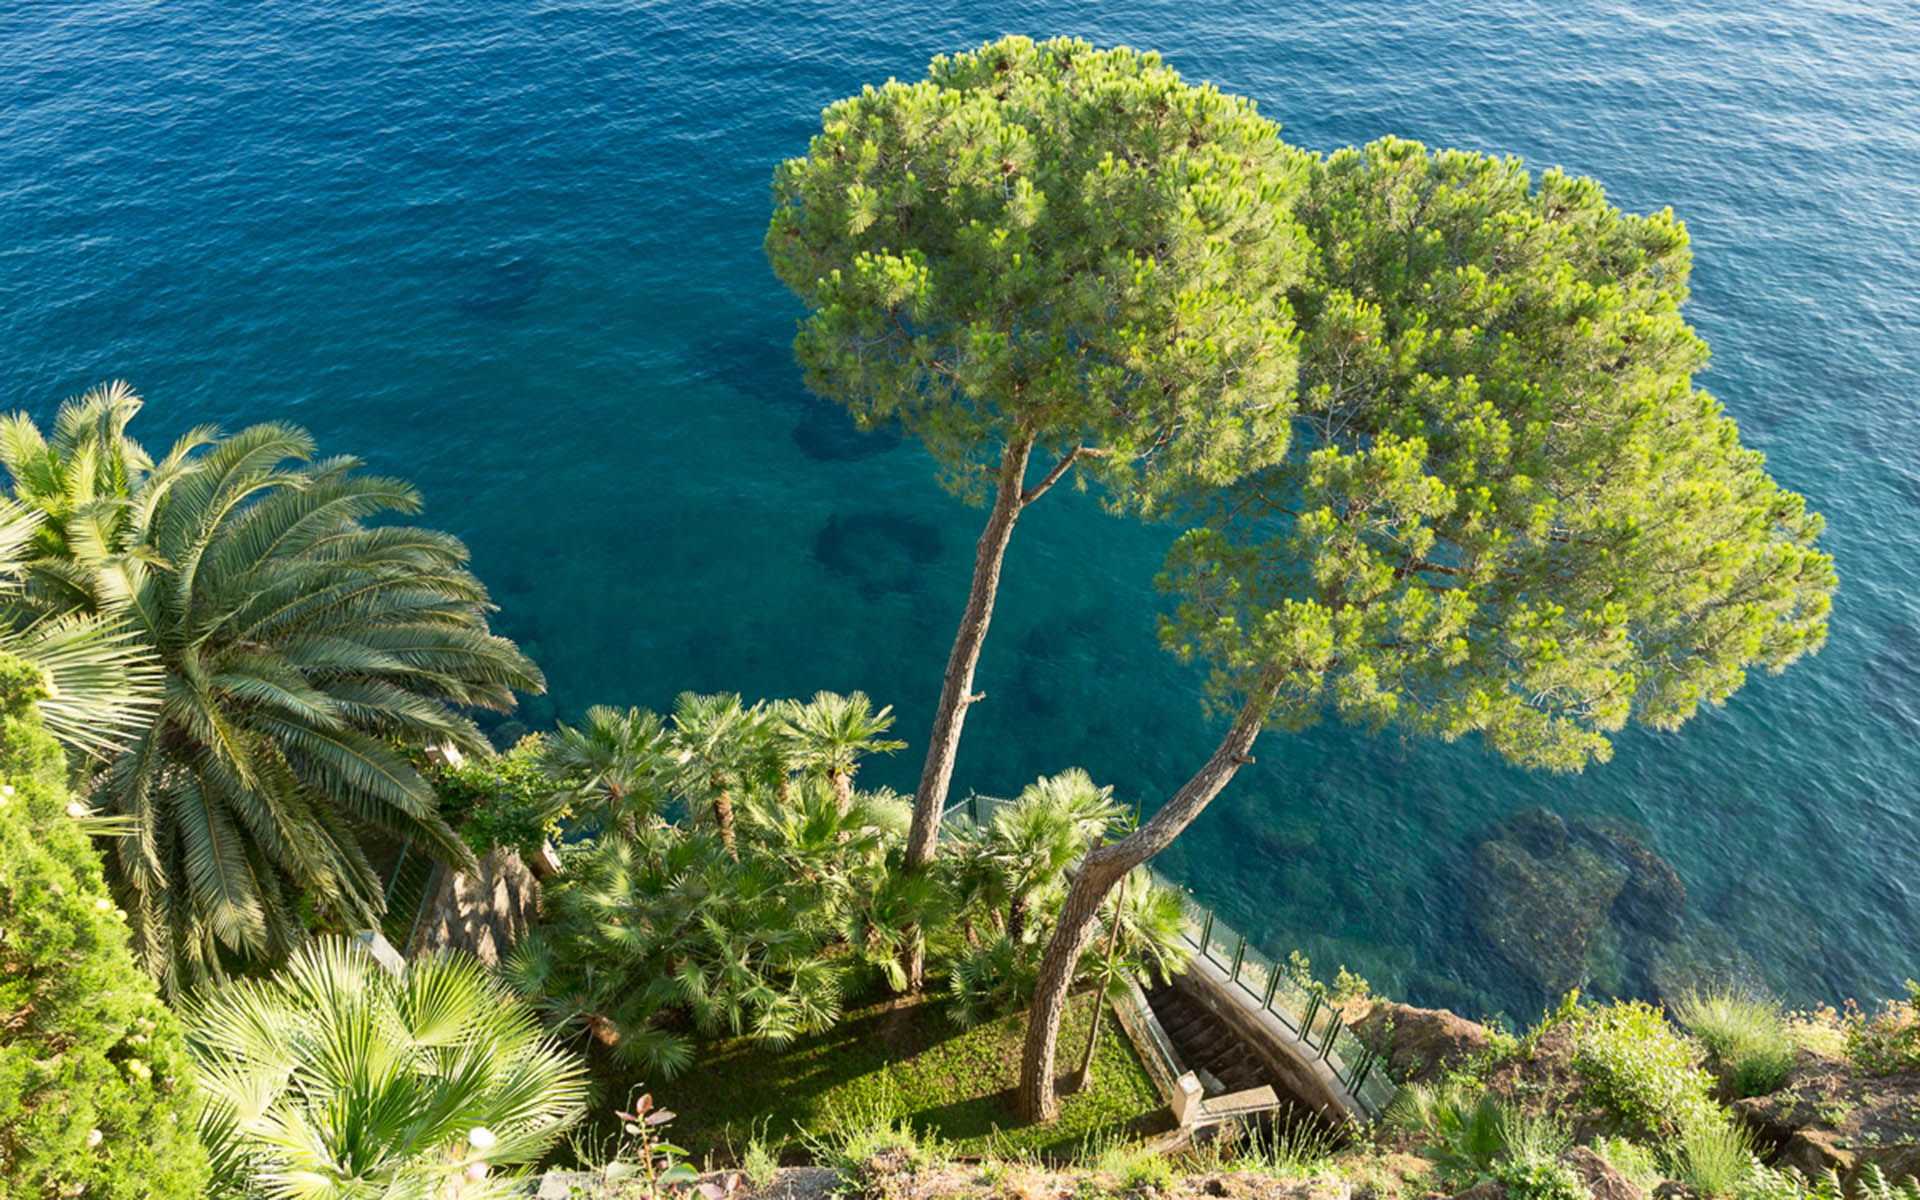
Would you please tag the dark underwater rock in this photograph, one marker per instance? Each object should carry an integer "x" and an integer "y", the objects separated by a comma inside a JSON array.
[
  {"x": 879, "y": 553},
  {"x": 827, "y": 434},
  {"x": 1542, "y": 910},
  {"x": 503, "y": 285}
]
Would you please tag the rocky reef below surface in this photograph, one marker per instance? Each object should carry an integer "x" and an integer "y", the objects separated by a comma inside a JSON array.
[{"x": 1576, "y": 902}]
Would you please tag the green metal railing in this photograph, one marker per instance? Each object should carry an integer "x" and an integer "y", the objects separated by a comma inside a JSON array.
[{"x": 1261, "y": 984}]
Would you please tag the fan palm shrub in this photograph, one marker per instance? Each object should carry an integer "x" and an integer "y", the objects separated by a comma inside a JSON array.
[
  {"x": 334, "y": 1078},
  {"x": 661, "y": 934},
  {"x": 831, "y": 733},
  {"x": 618, "y": 763},
  {"x": 302, "y": 649}
]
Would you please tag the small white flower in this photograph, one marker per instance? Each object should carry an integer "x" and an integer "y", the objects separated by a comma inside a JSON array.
[
  {"x": 481, "y": 1138},
  {"x": 102, "y": 903},
  {"x": 6, "y": 789},
  {"x": 78, "y": 811},
  {"x": 476, "y": 1172},
  {"x": 94, "y": 1138}
]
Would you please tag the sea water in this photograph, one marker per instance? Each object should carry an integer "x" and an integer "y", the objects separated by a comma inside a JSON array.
[{"x": 511, "y": 251}]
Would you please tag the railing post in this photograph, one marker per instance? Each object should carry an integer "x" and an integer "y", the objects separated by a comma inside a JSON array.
[
  {"x": 1273, "y": 985},
  {"x": 1239, "y": 955},
  {"x": 1306, "y": 1019},
  {"x": 1360, "y": 1074},
  {"x": 1206, "y": 932}
]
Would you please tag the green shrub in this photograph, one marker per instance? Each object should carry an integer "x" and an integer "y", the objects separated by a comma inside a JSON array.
[
  {"x": 1888, "y": 1040},
  {"x": 1464, "y": 1127},
  {"x": 95, "y": 1087},
  {"x": 1638, "y": 1163},
  {"x": 333, "y": 1077},
  {"x": 1714, "y": 1158},
  {"x": 1639, "y": 1069},
  {"x": 509, "y": 800},
  {"x": 1530, "y": 1178},
  {"x": 1746, "y": 1034}
]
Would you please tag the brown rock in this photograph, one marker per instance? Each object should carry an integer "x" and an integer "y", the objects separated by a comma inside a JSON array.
[
  {"x": 1542, "y": 911},
  {"x": 1829, "y": 1116},
  {"x": 1602, "y": 1180},
  {"x": 483, "y": 912},
  {"x": 1486, "y": 1189},
  {"x": 1418, "y": 1044}
]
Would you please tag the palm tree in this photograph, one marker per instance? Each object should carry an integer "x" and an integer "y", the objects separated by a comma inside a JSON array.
[
  {"x": 94, "y": 683},
  {"x": 720, "y": 745},
  {"x": 619, "y": 761},
  {"x": 301, "y": 650},
  {"x": 334, "y": 1078},
  {"x": 831, "y": 733},
  {"x": 1029, "y": 844}
]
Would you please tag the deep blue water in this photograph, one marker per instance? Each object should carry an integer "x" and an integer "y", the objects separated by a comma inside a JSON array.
[{"x": 512, "y": 251}]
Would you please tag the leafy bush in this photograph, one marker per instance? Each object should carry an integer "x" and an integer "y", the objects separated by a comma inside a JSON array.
[
  {"x": 334, "y": 1077},
  {"x": 95, "y": 1086},
  {"x": 509, "y": 800},
  {"x": 1640, "y": 1069},
  {"x": 1888, "y": 1040},
  {"x": 1638, "y": 1163},
  {"x": 1714, "y": 1158},
  {"x": 1533, "y": 1178},
  {"x": 1746, "y": 1034}
]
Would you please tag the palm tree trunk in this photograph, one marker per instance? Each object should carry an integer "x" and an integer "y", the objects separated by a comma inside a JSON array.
[
  {"x": 956, "y": 692},
  {"x": 1098, "y": 872},
  {"x": 843, "y": 790},
  {"x": 723, "y": 818},
  {"x": 1016, "y": 919}
]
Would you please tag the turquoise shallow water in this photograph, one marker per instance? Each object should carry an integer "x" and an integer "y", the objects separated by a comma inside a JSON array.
[{"x": 512, "y": 252}]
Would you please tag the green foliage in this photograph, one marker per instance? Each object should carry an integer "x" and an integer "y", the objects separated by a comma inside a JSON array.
[
  {"x": 502, "y": 800},
  {"x": 1766, "y": 1183},
  {"x": 1463, "y": 1125},
  {"x": 1471, "y": 1135},
  {"x": 1539, "y": 1179},
  {"x": 301, "y": 649},
  {"x": 758, "y": 1162},
  {"x": 643, "y": 1165},
  {"x": 1007, "y": 879},
  {"x": 1637, "y": 1162},
  {"x": 1746, "y": 1034},
  {"x": 95, "y": 1086},
  {"x": 335, "y": 1078},
  {"x": 1714, "y": 1158},
  {"x": 90, "y": 680},
  {"x": 1640, "y": 1070},
  {"x": 1346, "y": 985},
  {"x": 896, "y": 1061},
  {"x": 1508, "y": 511},
  {"x": 1045, "y": 242},
  {"x": 1888, "y": 1040}
]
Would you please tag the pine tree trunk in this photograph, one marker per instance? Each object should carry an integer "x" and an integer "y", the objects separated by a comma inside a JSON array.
[
  {"x": 1098, "y": 872},
  {"x": 956, "y": 692}
]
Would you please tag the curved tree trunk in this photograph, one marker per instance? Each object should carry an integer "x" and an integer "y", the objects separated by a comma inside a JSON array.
[
  {"x": 956, "y": 692},
  {"x": 1098, "y": 872}
]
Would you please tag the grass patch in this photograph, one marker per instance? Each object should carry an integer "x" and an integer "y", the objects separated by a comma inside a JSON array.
[
  {"x": 1746, "y": 1034},
  {"x": 906, "y": 1062}
]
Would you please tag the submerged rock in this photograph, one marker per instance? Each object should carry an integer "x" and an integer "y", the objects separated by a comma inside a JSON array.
[{"x": 1542, "y": 910}]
